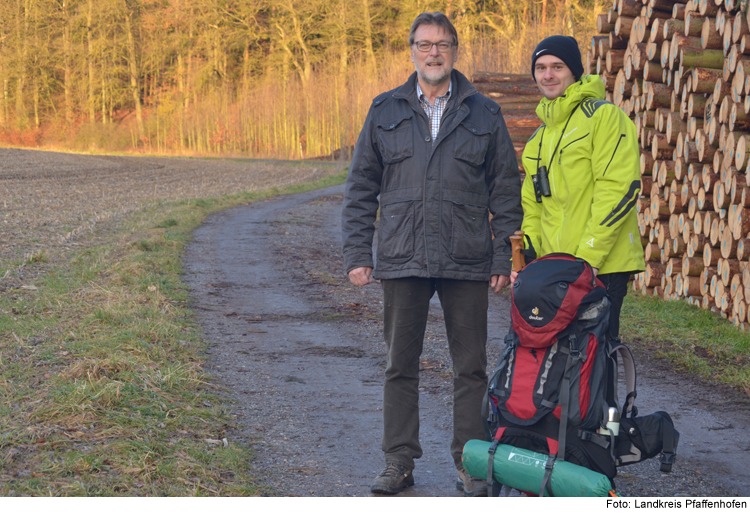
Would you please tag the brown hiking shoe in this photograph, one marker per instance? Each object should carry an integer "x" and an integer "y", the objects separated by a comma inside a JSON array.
[
  {"x": 470, "y": 486},
  {"x": 394, "y": 478}
]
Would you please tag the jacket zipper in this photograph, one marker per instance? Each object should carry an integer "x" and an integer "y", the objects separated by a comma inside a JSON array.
[{"x": 562, "y": 214}]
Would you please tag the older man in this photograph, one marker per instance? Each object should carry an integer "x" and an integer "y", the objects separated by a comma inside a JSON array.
[
  {"x": 435, "y": 156},
  {"x": 585, "y": 176}
]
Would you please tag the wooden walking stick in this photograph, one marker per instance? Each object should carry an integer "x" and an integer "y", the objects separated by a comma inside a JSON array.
[{"x": 516, "y": 243}]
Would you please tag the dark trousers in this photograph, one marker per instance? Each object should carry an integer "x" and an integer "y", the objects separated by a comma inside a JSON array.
[
  {"x": 405, "y": 307},
  {"x": 617, "y": 289}
]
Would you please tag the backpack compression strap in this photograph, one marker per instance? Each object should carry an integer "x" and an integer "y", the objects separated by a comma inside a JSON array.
[
  {"x": 491, "y": 461},
  {"x": 669, "y": 444},
  {"x": 573, "y": 356},
  {"x": 547, "y": 479}
]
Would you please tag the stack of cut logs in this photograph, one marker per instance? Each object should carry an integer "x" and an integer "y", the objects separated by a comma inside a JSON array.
[
  {"x": 518, "y": 96},
  {"x": 681, "y": 71}
]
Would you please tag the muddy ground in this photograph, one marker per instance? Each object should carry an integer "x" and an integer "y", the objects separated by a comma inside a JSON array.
[
  {"x": 300, "y": 353},
  {"x": 50, "y": 200}
]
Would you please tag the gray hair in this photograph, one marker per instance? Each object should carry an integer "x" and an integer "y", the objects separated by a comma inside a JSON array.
[{"x": 433, "y": 19}]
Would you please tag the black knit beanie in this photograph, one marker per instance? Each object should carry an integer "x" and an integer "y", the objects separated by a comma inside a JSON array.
[{"x": 563, "y": 47}]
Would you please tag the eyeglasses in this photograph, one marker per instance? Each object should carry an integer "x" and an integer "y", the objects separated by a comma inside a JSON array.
[{"x": 425, "y": 46}]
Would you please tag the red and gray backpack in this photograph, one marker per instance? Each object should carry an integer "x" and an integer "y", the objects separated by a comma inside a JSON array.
[{"x": 554, "y": 388}]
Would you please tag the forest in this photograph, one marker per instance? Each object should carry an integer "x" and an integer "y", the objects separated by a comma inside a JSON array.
[{"x": 285, "y": 79}]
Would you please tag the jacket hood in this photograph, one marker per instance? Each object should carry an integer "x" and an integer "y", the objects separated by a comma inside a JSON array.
[{"x": 554, "y": 111}]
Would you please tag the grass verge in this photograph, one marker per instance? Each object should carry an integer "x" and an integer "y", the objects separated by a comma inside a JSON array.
[
  {"x": 102, "y": 389},
  {"x": 692, "y": 339}
]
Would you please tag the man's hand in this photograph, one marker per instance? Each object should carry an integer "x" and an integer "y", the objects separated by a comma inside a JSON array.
[
  {"x": 596, "y": 271},
  {"x": 498, "y": 282},
  {"x": 361, "y": 276}
]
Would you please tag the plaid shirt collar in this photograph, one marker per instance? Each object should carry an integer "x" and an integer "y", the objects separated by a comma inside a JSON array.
[{"x": 434, "y": 112}]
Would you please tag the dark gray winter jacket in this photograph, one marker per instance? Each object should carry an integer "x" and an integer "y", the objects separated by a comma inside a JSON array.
[{"x": 435, "y": 198}]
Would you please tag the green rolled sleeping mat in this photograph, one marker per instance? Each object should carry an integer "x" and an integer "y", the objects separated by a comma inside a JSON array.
[{"x": 524, "y": 470}]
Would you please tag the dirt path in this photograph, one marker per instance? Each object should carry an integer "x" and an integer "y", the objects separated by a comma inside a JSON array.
[{"x": 301, "y": 354}]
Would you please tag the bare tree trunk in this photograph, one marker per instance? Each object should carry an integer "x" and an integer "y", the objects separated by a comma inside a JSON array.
[
  {"x": 306, "y": 60},
  {"x": 340, "y": 81},
  {"x": 134, "y": 80},
  {"x": 343, "y": 41},
  {"x": 188, "y": 77},
  {"x": 568, "y": 18},
  {"x": 90, "y": 61},
  {"x": 6, "y": 111},
  {"x": 22, "y": 31},
  {"x": 181, "y": 87},
  {"x": 304, "y": 69},
  {"x": 3, "y": 97},
  {"x": 368, "y": 36},
  {"x": 37, "y": 122},
  {"x": 35, "y": 70},
  {"x": 245, "y": 70},
  {"x": 112, "y": 81},
  {"x": 104, "y": 96},
  {"x": 66, "y": 63}
]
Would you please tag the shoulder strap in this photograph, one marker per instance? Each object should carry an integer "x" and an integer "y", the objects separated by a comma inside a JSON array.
[
  {"x": 574, "y": 357},
  {"x": 628, "y": 364}
]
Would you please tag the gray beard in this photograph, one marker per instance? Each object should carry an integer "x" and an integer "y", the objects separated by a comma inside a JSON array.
[{"x": 432, "y": 80}]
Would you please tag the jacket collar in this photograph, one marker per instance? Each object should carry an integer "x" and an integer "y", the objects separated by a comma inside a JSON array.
[
  {"x": 461, "y": 89},
  {"x": 553, "y": 112}
]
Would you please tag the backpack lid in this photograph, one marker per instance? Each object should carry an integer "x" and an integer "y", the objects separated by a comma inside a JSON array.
[{"x": 548, "y": 295}]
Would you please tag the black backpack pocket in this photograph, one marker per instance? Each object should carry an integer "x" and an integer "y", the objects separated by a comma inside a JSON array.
[{"x": 646, "y": 436}]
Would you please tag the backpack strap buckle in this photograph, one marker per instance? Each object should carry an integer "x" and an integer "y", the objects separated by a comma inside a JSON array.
[
  {"x": 547, "y": 479},
  {"x": 595, "y": 438},
  {"x": 667, "y": 460},
  {"x": 575, "y": 353}
]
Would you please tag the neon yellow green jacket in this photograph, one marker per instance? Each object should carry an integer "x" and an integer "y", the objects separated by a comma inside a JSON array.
[{"x": 594, "y": 175}]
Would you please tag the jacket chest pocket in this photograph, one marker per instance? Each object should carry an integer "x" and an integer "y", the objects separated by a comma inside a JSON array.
[
  {"x": 471, "y": 144},
  {"x": 571, "y": 162},
  {"x": 396, "y": 140},
  {"x": 574, "y": 152}
]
